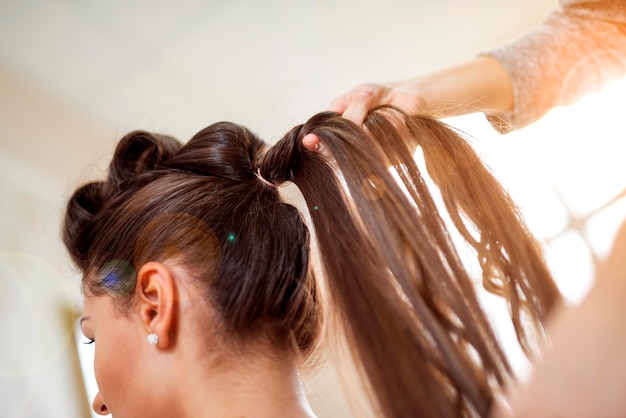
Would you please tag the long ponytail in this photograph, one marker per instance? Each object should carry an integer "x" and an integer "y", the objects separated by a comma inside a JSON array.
[{"x": 408, "y": 307}]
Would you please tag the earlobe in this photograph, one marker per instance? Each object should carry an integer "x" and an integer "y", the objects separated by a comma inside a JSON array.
[{"x": 156, "y": 301}]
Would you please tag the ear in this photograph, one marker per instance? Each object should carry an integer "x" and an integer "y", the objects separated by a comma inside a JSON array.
[{"x": 156, "y": 301}]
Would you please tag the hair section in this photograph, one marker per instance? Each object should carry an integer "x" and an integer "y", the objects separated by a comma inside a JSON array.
[{"x": 409, "y": 307}]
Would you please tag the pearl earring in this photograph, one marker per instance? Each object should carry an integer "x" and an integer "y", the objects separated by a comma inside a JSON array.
[{"x": 153, "y": 339}]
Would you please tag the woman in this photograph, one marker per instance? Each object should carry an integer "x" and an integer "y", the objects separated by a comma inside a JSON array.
[{"x": 199, "y": 290}]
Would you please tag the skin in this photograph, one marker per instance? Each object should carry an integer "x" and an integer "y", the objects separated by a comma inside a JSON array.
[
  {"x": 583, "y": 373},
  {"x": 190, "y": 372},
  {"x": 480, "y": 85}
]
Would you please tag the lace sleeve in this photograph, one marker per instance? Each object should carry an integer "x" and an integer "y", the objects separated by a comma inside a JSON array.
[{"x": 574, "y": 51}]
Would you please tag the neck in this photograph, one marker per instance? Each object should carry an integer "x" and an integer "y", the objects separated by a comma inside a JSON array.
[{"x": 243, "y": 386}]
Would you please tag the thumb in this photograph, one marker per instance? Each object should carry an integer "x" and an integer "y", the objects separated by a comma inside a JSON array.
[{"x": 311, "y": 142}]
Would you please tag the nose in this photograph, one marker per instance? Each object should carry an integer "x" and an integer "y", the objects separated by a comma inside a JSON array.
[{"x": 98, "y": 405}]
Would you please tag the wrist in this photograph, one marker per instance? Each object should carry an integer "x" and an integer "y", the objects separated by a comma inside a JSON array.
[
  {"x": 481, "y": 85},
  {"x": 413, "y": 96}
]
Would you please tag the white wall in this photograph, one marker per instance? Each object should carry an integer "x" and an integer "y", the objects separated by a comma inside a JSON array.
[{"x": 39, "y": 370}]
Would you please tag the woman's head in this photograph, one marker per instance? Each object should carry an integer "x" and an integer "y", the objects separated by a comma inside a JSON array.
[
  {"x": 200, "y": 206},
  {"x": 199, "y": 209}
]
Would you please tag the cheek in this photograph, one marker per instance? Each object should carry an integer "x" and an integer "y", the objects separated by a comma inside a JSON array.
[
  {"x": 116, "y": 363},
  {"x": 107, "y": 370}
]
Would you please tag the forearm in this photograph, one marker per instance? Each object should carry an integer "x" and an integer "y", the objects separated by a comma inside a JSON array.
[{"x": 481, "y": 85}]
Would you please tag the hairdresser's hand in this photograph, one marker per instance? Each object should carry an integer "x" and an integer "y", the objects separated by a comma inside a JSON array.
[
  {"x": 584, "y": 373},
  {"x": 355, "y": 104},
  {"x": 480, "y": 85}
]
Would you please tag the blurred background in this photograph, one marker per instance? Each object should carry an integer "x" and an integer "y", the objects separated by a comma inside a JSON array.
[{"x": 77, "y": 75}]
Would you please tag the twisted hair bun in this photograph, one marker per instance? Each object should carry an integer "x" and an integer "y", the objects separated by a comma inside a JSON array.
[{"x": 139, "y": 152}]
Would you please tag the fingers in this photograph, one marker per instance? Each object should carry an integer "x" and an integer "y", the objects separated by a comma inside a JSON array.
[
  {"x": 340, "y": 104},
  {"x": 353, "y": 106},
  {"x": 311, "y": 142},
  {"x": 361, "y": 102}
]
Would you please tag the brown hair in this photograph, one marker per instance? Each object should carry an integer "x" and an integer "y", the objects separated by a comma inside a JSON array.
[{"x": 408, "y": 306}]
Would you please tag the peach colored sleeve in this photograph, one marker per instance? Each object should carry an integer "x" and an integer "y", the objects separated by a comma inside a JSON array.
[{"x": 575, "y": 50}]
